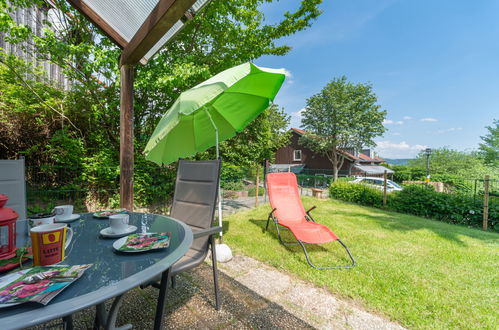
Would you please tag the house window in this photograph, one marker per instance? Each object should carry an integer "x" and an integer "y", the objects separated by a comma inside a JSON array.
[{"x": 296, "y": 155}]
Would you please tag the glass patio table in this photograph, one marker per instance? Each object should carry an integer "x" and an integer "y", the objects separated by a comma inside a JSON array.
[{"x": 112, "y": 274}]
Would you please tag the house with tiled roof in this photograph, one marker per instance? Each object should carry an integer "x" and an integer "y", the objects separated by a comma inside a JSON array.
[{"x": 296, "y": 157}]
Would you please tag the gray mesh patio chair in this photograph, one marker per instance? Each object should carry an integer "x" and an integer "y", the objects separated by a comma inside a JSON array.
[{"x": 194, "y": 203}]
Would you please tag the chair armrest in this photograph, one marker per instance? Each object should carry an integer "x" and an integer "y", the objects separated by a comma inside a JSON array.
[
  {"x": 310, "y": 209},
  {"x": 207, "y": 231},
  {"x": 309, "y": 217}
]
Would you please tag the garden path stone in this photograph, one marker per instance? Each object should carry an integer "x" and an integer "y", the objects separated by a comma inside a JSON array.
[{"x": 316, "y": 306}]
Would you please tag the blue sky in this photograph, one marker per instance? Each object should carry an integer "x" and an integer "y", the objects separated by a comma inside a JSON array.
[{"x": 434, "y": 66}]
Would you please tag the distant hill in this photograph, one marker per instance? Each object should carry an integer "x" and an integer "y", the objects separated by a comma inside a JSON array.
[{"x": 397, "y": 161}]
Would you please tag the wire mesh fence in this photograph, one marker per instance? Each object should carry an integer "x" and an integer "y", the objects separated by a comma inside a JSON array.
[{"x": 94, "y": 188}]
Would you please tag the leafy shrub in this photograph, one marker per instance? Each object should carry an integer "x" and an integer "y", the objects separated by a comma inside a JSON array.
[
  {"x": 252, "y": 191},
  {"x": 421, "y": 201},
  {"x": 356, "y": 193},
  {"x": 231, "y": 177},
  {"x": 233, "y": 185}
]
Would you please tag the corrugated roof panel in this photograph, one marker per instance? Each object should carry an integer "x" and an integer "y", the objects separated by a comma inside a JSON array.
[
  {"x": 126, "y": 16},
  {"x": 175, "y": 28},
  {"x": 196, "y": 7}
]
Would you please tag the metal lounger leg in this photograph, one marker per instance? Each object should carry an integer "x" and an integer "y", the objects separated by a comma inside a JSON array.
[
  {"x": 215, "y": 272},
  {"x": 335, "y": 267},
  {"x": 280, "y": 238},
  {"x": 158, "y": 320},
  {"x": 271, "y": 216}
]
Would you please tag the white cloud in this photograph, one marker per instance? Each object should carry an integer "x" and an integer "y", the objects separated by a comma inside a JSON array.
[
  {"x": 392, "y": 122},
  {"x": 429, "y": 119},
  {"x": 296, "y": 118},
  {"x": 388, "y": 149},
  {"x": 289, "y": 77},
  {"x": 407, "y": 117},
  {"x": 447, "y": 130}
]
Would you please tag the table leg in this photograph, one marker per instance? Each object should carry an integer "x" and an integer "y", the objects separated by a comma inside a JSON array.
[
  {"x": 68, "y": 322},
  {"x": 158, "y": 320},
  {"x": 108, "y": 319}
]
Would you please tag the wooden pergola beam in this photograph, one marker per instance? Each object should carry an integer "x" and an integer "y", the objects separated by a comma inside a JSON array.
[
  {"x": 162, "y": 18},
  {"x": 99, "y": 22}
]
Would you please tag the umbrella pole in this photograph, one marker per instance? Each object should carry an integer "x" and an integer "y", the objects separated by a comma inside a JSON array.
[{"x": 219, "y": 192}]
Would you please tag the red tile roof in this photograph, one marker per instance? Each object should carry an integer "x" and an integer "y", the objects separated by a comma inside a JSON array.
[{"x": 299, "y": 131}]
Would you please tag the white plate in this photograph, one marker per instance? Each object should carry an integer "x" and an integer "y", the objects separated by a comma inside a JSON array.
[
  {"x": 4, "y": 280},
  {"x": 108, "y": 232},
  {"x": 73, "y": 217},
  {"x": 119, "y": 243}
]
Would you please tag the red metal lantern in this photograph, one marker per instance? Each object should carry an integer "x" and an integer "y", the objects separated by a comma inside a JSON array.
[{"x": 8, "y": 219}]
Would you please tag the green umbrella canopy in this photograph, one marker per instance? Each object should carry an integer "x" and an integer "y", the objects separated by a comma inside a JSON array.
[{"x": 232, "y": 98}]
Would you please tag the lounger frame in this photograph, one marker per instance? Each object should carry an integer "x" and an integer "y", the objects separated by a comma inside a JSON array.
[{"x": 308, "y": 217}]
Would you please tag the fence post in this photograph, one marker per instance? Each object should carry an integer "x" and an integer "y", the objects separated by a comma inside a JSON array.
[
  {"x": 257, "y": 184},
  {"x": 384, "y": 188},
  {"x": 486, "y": 202}
]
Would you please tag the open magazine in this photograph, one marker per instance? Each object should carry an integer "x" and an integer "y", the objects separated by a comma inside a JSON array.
[{"x": 38, "y": 284}]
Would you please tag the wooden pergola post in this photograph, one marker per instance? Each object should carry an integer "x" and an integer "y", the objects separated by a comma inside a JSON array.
[{"x": 126, "y": 137}]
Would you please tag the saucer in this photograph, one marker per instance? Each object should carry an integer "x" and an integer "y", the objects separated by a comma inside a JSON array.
[
  {"x": 107, "y": 232},
  {"x": 73, "y": 217}
]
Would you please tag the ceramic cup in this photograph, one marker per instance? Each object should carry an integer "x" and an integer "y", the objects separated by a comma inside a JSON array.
[
  {"x": 49, "y": 243},
  {"x": 118, "y": 223},
  {"x": 63, "y": 212},
  {"x": 40, "y": 219}
]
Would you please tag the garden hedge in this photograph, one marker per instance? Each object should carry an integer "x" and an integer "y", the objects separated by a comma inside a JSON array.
[{"x": 421, "y": 201}]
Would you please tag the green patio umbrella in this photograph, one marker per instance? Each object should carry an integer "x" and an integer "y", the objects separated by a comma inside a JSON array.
[
  {"x": 226, "y": 103},
  {"x": 213, "y": 111}
]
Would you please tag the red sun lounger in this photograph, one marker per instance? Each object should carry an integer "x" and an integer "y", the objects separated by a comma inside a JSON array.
[{"x": 288, "y": 211}]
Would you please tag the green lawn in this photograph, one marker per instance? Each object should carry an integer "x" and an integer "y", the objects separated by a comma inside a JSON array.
[{"x": 419, "y": 272}]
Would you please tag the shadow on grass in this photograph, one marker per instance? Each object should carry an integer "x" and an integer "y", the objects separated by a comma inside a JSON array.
[
  {"x": 393, "y": 221},
  {"x": 296, "y": 249}
]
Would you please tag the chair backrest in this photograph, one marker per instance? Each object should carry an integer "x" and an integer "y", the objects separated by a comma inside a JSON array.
[
  {"x": 285, "y": 198},
  {"x": 13, "y": 184},
  {"x": 196, "y": 192}
]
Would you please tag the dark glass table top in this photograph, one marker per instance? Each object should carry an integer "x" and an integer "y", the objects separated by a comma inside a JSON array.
[{"x": 112, "y": 273}]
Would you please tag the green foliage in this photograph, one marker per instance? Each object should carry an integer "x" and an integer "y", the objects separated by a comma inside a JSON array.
[
  {"x": 343, "y": 115},
  {"x": 457, "y": 169},
  {"x": 259, "y": 141},
  {"x": 80, "y": 127},
  {"x": 490, "y": 146},
  {"x": 224, "y": 35},
  {"x": 252, "y": 191},
  {"x": 232, "y": 185},
  {"x": 449, "y": 161},
  {"x": 231, "y": 177},
  {"x": 356, "y": 193},
  {"x": 421, "y": 201}
]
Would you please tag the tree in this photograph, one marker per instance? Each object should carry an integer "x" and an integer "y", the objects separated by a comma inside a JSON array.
[
  {"x": 259, "y": 141},
  {"x": 224, "y": 34},
  {"x": 342, "y": 116},
  {"x": 490, "y": 146}
]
